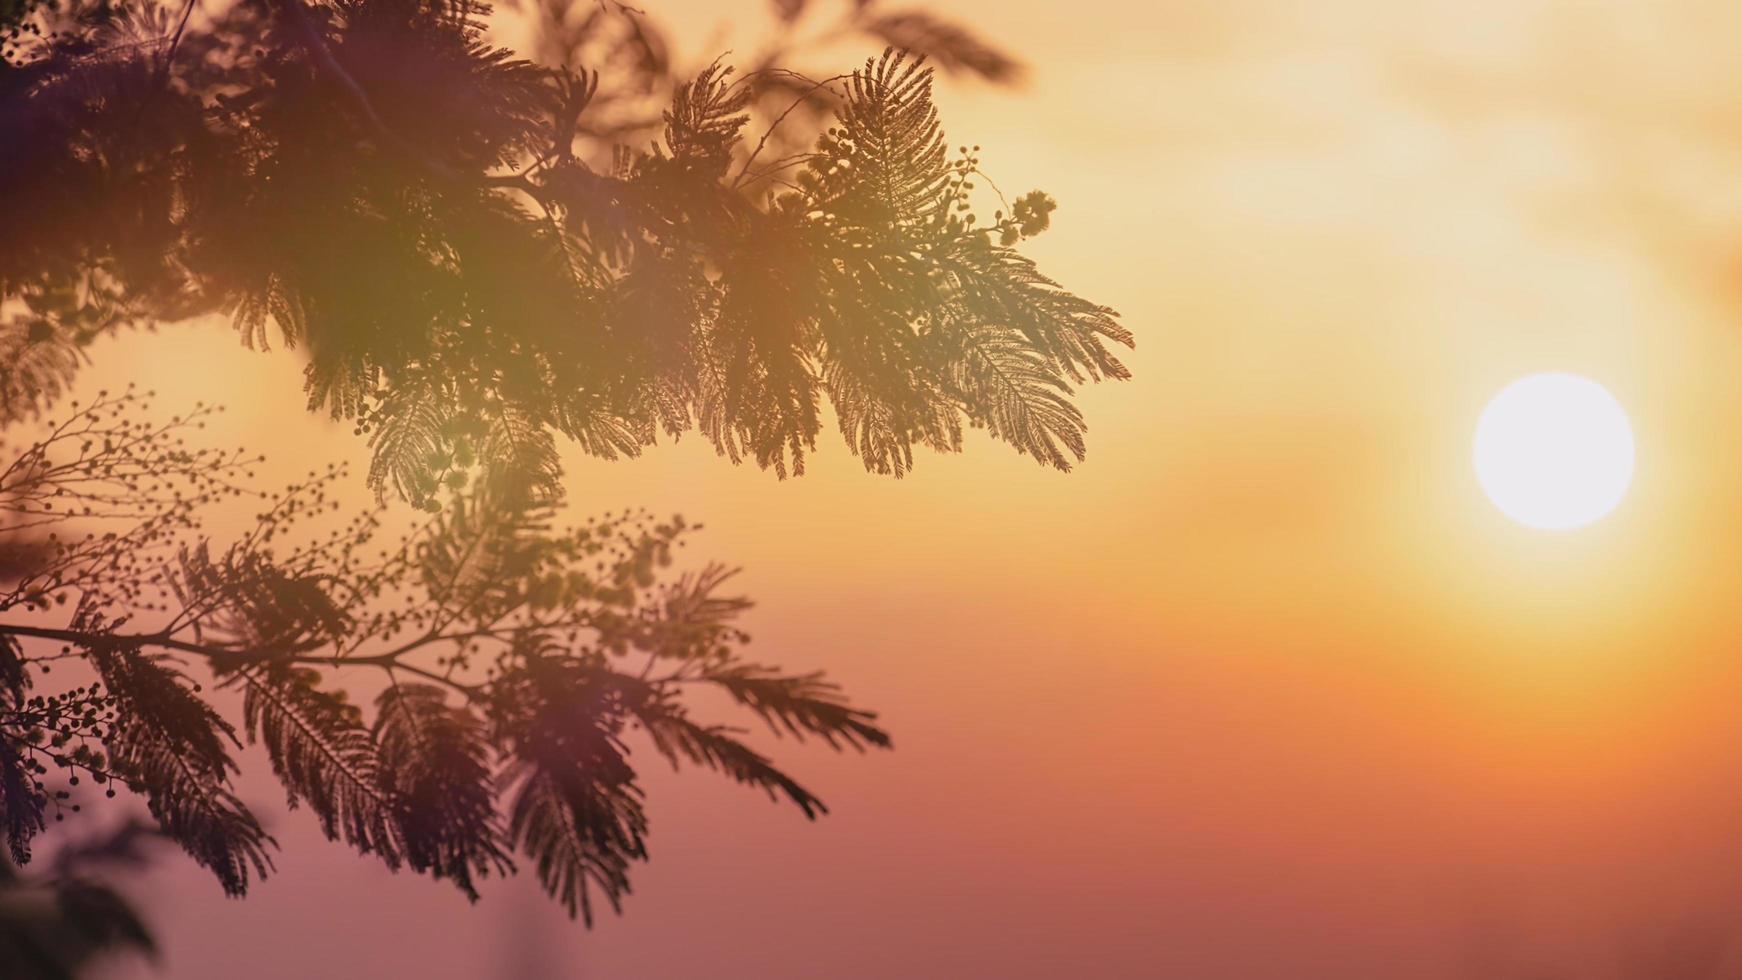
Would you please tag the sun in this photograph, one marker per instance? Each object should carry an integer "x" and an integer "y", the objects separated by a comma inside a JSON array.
[{"x": 1554, "y": 451}]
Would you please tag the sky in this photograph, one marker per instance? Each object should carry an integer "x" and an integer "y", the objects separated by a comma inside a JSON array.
[{"x": 1265, "y": 688}]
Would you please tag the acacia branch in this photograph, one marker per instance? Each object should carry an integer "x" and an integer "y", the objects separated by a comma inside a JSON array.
[{"x": 228, "y": 657}]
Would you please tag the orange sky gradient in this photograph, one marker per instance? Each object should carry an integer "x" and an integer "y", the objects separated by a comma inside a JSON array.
[{"x": 1266, "y": 688}]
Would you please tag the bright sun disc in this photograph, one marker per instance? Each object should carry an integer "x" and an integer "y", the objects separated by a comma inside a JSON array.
[{"x": 1554, "y": 451}]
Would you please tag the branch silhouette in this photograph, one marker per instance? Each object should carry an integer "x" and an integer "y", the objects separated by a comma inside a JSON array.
[
  {"x": 517, "y": 655},
  {"x": 469, "y": 271},
  {"x": 477, "y": 253}
]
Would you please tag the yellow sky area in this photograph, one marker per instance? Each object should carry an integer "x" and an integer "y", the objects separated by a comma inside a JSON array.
[{"x": 1268, "y": 662}]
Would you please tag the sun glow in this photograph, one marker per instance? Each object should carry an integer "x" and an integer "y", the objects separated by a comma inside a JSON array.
[{"x": 1554, "y": 451}]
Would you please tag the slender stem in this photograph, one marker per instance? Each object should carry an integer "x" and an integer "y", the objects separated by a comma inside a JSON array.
[
  {"x": 226, "y": 655},
  {"x": 116, "y": 639},
  {"x": 776, "y": 125},
  {"x": 181, "y": 27}
]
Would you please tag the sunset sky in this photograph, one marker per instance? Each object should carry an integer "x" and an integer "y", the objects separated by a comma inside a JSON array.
[{"x": 1266, "y": 688}]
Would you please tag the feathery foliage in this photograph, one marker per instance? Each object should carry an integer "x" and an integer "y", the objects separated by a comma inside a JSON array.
[
  {"x": 474, "y": 262},
  {"x": 436, "y": 766},
  {"x": 520, "y": 657},
  {"x": 478, "y": 253}
]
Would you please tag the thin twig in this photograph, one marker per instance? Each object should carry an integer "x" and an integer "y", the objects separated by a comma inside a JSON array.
[{"x": 776, "y": 125}]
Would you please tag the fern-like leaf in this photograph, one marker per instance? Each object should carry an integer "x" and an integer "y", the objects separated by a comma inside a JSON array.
[
  {"x": 274, "y": 302},
  {"x": 323, "y": 755},
  {"x": 254, "y": 604},
  {"x": 481, "y": 545},
  {"x": 677, "y": 737},
  {"x": 801, "y": 705},
  {"x": 341, "y": 385},
  {"x": 194, "y": 806},
  {"x": 21, "y": 804},
  {"x": 436, "y": 760},
  {"x": 704, "y": 120},
  {"x": 520, "y": 448},
  {"x": 158, "y": 700},
  {"x": 884, "y": 169},
  {"x": 576, "y": 809},
  {"x": 759, "y": 389},
  {"x": 694, "y": 620},
  {"x": 997, "y": 285},
  {"x": 171, "y": 745},
  {"x": 37, "y": 365},
  {"x": 598, "y": 428},
  {"x": 885, "y": 407},
  {"x": 582, "y": 833},
  {"x": 1014, "y": 391},
  {"x": 407, "y": 440}
]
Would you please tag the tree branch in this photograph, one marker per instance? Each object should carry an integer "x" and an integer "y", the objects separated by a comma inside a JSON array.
[{"x": 222, "y": 656}]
